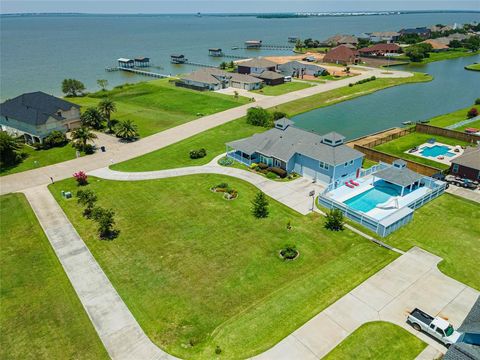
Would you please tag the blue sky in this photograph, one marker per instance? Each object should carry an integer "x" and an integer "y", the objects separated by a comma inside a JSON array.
[{"x": 215, "y": 6}]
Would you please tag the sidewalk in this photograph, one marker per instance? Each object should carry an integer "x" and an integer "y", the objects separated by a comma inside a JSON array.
[
  {"x": 41, "y": 176},
  {"x": 120, "y": 333}
]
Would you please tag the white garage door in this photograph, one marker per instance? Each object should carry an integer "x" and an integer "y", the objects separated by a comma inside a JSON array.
[{"x": 308, "y": 172}]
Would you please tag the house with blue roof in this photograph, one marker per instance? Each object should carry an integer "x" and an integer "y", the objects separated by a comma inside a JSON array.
[{"x": 323, "y": 158}]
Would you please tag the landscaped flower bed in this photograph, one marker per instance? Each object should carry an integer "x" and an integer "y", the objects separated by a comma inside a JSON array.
[
  {"x": 289, "y": 253},
  {"x": 228, "y": 193}
]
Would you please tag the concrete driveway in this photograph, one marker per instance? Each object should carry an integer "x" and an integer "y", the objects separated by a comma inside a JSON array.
[{"x": 413, "y": 280}]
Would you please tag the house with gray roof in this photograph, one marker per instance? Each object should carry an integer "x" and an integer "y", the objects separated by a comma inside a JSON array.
[
  {"x": 324, "y": 158},
  {"x": 398, "y": 174},
  {"x": 256, "y": 66},
  {"x": 467, "y": 165},
  {"x": 216, "y": 79},
  {"x": 35, "y": 115},
  {"x": 299, "y": 68}
]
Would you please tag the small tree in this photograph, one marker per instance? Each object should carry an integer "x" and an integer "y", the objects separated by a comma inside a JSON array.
[
  {"x": 105, "y": 219},
  {"x": 91, "y": 117},
  {"x": 87, "y": 198},
  {"x": 260, "y": 206},
  {"x": 235, "y": 94},
  {"x": 106, "y": 107},
  {"x": 8, "y": 150},
  {"x": 231, "y": 65},
  {"x": 223, "y": 65},
  {"x": 278, "y": 115},
  {"x": 477, "y": 101},
  {"x": 334, "y": 220},
  {"x": 81, "y": 136},
  {"x": 126, "y": 130},
  {"x": 55, "y": 139},
  {"x": 103, "y": 83},
  {"x": 299, "y": 45},
  {"x": 259, "y": 117},
  {"x": 472, "y": 113},
  {"x": 72, "y": 87},
  {"x": 81, "y": 178}
]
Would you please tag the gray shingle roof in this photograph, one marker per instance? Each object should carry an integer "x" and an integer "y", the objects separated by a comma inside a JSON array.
[
  {"x": 269, "y": 75},
  {"x": 257, "y": 63},
  {"x": 399, "y": 176},
  {"x": 35, "y": 108},
  {"x": 283, "y": 144},
  {"x": 470, "y": 158},
  {"x": 215, "y": 76}
]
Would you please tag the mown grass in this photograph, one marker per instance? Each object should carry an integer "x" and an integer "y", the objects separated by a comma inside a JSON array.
[
  {"x": 378, "y": 340},
  {"x": 450, "y": 54},
  {"x": 40, "y": 314},
  {"x": 473, "y": 67},
  {"x": 158, "y": 105},
  {"x": 398, "y": 147},
  {"x": 449, "y": 228},
  {"x": 452, "y": 118},
  {"x": 282, "y": 88},
  {"x": 39, "y": 158},
  {"x": 199, "y": 272},
  {"x": 213, "y": 140}
]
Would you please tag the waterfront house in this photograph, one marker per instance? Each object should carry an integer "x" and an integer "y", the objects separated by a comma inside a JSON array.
[
  {"x": 380, "y": 50},
  {"x": 256, "y": 66},
  {"x": 35, "y": 115},
  {"x": 340, "y": 39},
  {"x": 388, "y": 36},
  {"x": 422, "y": 32},
  {"x": 324, "y": 158},
  {"x": 271, "y": 77},
  {"x": 342, "y": 55},
  {"x": 467, "y": 165},
  {"x": 126, "y": 63},
  {"x": 298, "y": 69},
  {"x": 437, "y": 46},
  {"x": 216, "y": 79}
]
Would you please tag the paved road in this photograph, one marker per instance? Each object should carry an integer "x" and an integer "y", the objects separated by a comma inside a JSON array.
[
  {"x": 122, "y": 336},
  {"x": 294, "y": 194},
  {"x": 473, "y": 195},
  {"x": 412, "y": 280},
  {"x": 122, "y": 152}
]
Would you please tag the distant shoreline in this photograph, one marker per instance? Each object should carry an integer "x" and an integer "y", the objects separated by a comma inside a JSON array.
[{"x": 279, "y": 15}]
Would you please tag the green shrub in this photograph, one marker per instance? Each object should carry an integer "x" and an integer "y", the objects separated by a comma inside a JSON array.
[
  {"x": 222, "y": 186},
  {"x": 260, "y": 206},
  {"x": 289, "y": 252},
  {"x": 218, "y": 351},
  {"x": 271, "y": 175},
  {"x": 334, "y": 220},
  {"x": 477, "y": 101},
  {"x": 55, "y": 139},
  {"x": 225, "y": 161},
  {"x": 89, "y": 149},
  {"x": 262, "y": 166},
  {"x": 278, "y": 115},
  {"x": 258, "y": 116},
  {"x": 197, "y": 154},
  {"x": 279, "y": 171}
]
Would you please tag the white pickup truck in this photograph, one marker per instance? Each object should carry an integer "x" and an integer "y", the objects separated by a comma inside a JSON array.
[{"x": 437, "y": 327}]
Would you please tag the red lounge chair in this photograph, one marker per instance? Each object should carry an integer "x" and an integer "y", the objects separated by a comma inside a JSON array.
[
  {"x": 349, "y": 185},
  {"x": 354, "y": 183}
]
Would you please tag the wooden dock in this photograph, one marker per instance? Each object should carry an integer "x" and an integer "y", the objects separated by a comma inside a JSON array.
[
  {"x": 138, "y": 72},
  {"x": 269, "y": 47}
]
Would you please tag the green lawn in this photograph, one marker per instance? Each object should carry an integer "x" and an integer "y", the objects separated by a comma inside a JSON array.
[
  {"x": 198, "y": 271},
  {"x": 213, "y": 140},
  {"x": 39, "y": 158},
  {"x": 367, "y": 164},
  {"x": 158, "y": 105},
  {"x": 282, "y": 88},
  {"x": 378, "y": 340},
  {"x": 451, "y": 118},
  {"x": 445, "y": 55},
  {"x": 40, "y": 314},
  {"x": 398, "y": 147},
  {"x": 449, "y": 228},
  {"x": 473, "y": 67},
  {"x": 475, "y": 124}
]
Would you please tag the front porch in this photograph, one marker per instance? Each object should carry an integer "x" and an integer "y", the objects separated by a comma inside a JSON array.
[{"x": 254, "y": 157}]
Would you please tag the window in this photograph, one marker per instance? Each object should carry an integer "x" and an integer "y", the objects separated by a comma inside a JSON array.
[
  {"x": 440, "y": 331},
  {"x": 455, "y": 168},
  {"x": 323, "y": 165}
]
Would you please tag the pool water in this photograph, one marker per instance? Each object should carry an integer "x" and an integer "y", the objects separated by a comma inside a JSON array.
[
  {"x": 371, "y": 198},
  {"x": 436, "y": 150}
]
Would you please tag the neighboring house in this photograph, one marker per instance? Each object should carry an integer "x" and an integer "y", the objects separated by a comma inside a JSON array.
[
  {"x": 423, "y": 32},
  {"x": 342, "y": 55},
  {"x": 380, "y": 50},
  {"x": 255, "y": 66},
  {"x": 324, "y": 158},
  {"x": 467, "y": 165},
  {"x": 298, "y": 69},
  {"x": 271, "y": 77},
  {"x": 340, "y": 39},
  {"x": 388, "y": 36},
  {"x": 437, "y": 46},
  {"x": 468, "y": 345},
  {"x": 35, "y": 115},
  {"x": 216, "y": 79}
]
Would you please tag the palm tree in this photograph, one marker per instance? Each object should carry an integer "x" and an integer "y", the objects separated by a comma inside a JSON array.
[
  {"x": 81, "y": 136},
  {"x": 92, "y": 118},
  {"x": 106, "y": 107},
  {"x": 126, "y": 130}
]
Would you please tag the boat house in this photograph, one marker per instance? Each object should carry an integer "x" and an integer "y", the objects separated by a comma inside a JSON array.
[
  {"x": 253, "y": 44},
  {"x": 35, "y": 115},
  {"x": 178, "y": 59},
  {"x": 142, "y": 61},
  {"x": 323, "y": 158},
  {"x": 216, "y": 52},
  {"x": 126, "y": 63}
]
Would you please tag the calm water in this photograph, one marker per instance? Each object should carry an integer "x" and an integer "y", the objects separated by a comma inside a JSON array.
[
  {"x": 453, "y": 87},
  {"x": 37, "y": 53}
]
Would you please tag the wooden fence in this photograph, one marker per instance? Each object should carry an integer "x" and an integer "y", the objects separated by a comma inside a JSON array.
[
  {"x": 435, "y": 130},
  {"x": 388, "y": 137}
]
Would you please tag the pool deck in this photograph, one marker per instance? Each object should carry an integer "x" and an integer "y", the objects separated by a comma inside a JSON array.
[
  {"x": 344, "y": 193},
  {"x": 443, "y": 159}
]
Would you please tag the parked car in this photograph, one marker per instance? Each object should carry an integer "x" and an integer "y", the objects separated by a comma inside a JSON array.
[
  {"x": 287, "y": 79},
  {"x": 437, "y": 327}
]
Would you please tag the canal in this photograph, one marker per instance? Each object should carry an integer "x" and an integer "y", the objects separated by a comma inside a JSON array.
[{"x": 452, "y": 88}]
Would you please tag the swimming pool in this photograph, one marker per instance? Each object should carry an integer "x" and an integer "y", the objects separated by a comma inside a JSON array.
[
  {"x": 369, "y": 199},
  {"x": 436, "y": 150}
]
